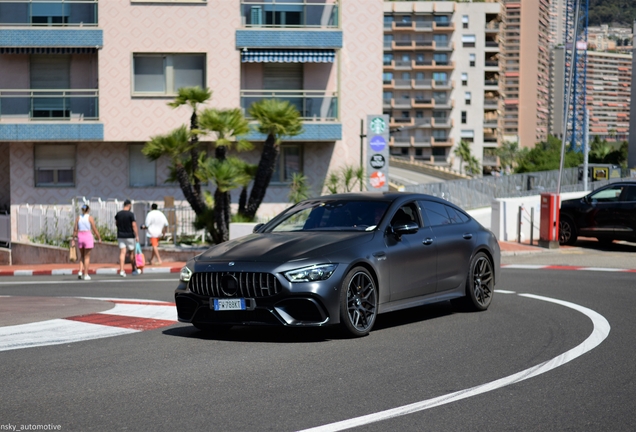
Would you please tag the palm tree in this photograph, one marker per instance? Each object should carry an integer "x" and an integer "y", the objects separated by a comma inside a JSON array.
[
  {"x": 464, "y": 152},
  {"x": 226, "y": 173},
  {"x": 508, "y": 153},
  {"x": 193, "y": 96},
  {"x": 177, "y": 146},
  {"x": 276, "y": 119}
]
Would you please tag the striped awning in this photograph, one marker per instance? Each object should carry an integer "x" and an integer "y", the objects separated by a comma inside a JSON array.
[{"x": 288, "y": 56}]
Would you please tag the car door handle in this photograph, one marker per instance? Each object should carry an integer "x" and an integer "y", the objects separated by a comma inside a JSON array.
[
  {"x": 380, "y": 256},
  {"x": 468, "y": 236},
  {"x": 428, "y": 241}
]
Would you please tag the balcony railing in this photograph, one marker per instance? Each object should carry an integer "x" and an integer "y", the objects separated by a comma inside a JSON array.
[
  {"x": 294, "y": 14},
  {"x": 49, "y": 104},
  {"x": 312, "y": 104},
  {"x": 61, "y": 13}
]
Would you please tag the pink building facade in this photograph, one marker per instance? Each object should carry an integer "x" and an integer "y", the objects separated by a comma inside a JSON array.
[{"x": 84, "y": 85}]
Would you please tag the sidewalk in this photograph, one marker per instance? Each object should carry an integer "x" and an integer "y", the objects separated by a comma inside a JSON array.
[
  {"x": 507, "y": 248},
  {"x": 72, "y": 268}
]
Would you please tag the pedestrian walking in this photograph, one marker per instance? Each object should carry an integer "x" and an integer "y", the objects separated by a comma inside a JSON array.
[
  {"x": 83, "y": 234},
  {"x": 127, "y": 237},
  {"x": 156, "y": 223}
]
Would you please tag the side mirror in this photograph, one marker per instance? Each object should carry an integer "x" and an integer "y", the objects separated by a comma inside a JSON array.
[
  {"x": 405, "y": 228},
  {"x": 257, "y": 227}
]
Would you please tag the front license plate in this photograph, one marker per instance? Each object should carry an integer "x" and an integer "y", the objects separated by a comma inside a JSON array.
[{"x": 229, "y": 304}]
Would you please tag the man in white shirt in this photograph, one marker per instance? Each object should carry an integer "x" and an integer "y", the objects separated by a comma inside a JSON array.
[{"x": 156, "y": 224}]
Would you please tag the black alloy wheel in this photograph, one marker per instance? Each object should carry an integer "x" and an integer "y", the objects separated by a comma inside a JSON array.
[
  {"x": 480, "y": 285},
  {"x": 567, "y": 231},
  {"x": 358, "y": 302}
]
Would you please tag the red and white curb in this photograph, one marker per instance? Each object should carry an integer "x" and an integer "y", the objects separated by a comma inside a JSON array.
[
  {"x": 562, "y": 267},
  {"x": 73, "y": 271},
  {"x": 127, "y": 317}
]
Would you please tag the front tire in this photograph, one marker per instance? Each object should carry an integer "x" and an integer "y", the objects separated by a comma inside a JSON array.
[
  {"x": 358, "y": 302},
  {"x": 567, "y": 231}
]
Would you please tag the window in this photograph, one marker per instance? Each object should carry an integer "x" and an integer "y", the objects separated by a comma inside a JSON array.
[
  {"x": 467, "y": 97},
  {"x": 464, "y": 117},
  {"x": 142, "y": 171},
  {"x": 388, "y": 58},
  {"x": 54, "y": 165},
  {"x": 472, "y": 58},
  {"x": 387, "y": 77},
  {"x": 465, "y": 21},
  {"x": 467, "y": 133},
  {"x": 468, "y": 41},
  {"x": 164, "y": 74},
  {"x": 442, "y": 214},
  {"x": 464, "y": 79},
  {"x": 290, "y": 162},
  {"x": 441, "y": 59}
]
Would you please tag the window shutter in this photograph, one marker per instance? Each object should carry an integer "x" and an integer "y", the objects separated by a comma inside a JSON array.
[
  {"x": 50, "y": 71},
  {"x": 283, "y": 76}
]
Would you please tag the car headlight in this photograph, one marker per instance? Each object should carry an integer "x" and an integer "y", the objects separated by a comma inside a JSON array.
[
  {"x": 312, "y": 273},
  {"x": 185, "y": 274}
]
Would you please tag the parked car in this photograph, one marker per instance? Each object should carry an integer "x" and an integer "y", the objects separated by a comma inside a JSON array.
[
  {"x": 608, "y": 213},
  {"x": 342, "y": 259}
]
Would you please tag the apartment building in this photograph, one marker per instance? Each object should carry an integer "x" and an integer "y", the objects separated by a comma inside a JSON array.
[
  {"x": 608, "y": 93},
  {"x": 85, "y": 83},
  {"x": 526, "y": 70},
  {"x": 441, "y": 79}
]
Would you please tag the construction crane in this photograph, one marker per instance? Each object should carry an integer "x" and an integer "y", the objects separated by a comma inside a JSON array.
[{"x": 576, "y": 73}]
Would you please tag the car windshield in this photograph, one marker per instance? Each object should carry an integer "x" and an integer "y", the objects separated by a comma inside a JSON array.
[{"x": 335, "y": 215}]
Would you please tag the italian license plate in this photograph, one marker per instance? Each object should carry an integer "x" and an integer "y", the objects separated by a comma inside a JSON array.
[{"x": 229, "y": 304}]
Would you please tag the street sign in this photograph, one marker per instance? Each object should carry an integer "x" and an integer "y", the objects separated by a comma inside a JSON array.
[{"x": 377, "y": 169}]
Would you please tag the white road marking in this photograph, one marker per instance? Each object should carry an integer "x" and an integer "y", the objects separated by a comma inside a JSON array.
[
  {"x": 599, "y": 333},
  {"x": 63, "y": 331},
  {"x": 54, "y": 332}
]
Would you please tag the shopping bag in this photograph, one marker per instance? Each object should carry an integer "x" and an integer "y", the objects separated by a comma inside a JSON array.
[
  {"x": 72, "y": 253},
  {"x": 140, "y": 260}
]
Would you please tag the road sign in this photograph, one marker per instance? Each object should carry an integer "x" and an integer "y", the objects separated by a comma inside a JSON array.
[{"x": 377, "y": 170}]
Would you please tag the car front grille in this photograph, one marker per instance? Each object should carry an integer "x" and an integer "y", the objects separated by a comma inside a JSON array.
[{"x": 235, "y": 284}]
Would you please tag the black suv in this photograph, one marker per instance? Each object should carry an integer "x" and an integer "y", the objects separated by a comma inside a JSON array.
[{"x": 608, "y": 213}]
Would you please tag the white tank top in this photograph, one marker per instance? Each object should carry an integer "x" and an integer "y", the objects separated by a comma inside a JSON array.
[{"x": 84, "y": 224}]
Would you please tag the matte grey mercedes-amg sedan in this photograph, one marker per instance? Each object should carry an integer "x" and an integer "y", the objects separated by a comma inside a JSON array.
[{"x": 342, "y": 259}]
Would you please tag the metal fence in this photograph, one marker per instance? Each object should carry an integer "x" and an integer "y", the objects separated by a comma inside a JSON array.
[
  {"x": 476, "y": 193},
  {"x": 53, "y": 224}
]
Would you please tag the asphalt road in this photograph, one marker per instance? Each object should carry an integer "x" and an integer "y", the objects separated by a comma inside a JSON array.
[{"x": 270, "y": 379}]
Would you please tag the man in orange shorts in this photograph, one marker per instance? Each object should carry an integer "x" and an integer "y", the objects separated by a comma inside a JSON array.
[{"x": 156, "y": 224}]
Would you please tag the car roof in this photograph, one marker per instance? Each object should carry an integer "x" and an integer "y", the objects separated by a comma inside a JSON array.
[{"x": 375, "y": 196}]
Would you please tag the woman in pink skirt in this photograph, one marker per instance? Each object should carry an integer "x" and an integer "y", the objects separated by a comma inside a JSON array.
[{"x": 83, "y": 233}]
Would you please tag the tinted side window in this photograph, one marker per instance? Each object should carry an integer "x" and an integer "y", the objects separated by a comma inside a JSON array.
[
  {"x": 629, "y": 194},
  {"x": 436, "y": 212},
  {"x": 456, "y": 216},
  {"x": 405, "y": 214}
]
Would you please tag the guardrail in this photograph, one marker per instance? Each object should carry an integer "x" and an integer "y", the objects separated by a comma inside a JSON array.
[
  {"x": 312, "y": 105},
  {"x": 49, "y": 104}
]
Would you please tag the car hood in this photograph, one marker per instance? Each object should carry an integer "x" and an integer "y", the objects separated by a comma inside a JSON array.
[{"x": 284, "y": 246}]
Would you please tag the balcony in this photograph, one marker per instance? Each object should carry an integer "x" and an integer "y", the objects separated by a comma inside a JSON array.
[
  {"x": 423, "y": 26},
  {"x": 491, "y": 123},
  {"x": 404, "y": 84},
  {"x": 401, "y": 121},
  {"x": 423, "y": 103},
  {"x": 401, "y": 141},
  {"x": 66, "y": 13},
  {"x": 313, "y": 105},
  {"x": 423, "y": 84},
  {"x": 34, "y": 105},
  {"x": 443, "y": 85},
  {"x": 401, "y": 103},
  {"x": 442, "y": 123},
  {"x": 285, "y": 14},
  {"x": 442, "y": 142},
  {"x": 491, "y": 104}
]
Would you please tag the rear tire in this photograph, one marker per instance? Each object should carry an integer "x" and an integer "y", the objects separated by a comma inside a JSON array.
[
  {"x": 358, "y": 303},
  {"x": 567, "y": 231},
  {"x": 480, "y": 285}
]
